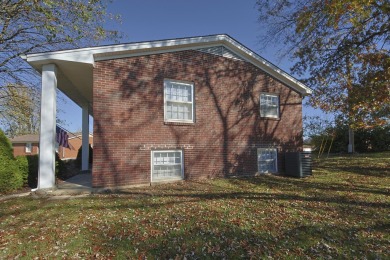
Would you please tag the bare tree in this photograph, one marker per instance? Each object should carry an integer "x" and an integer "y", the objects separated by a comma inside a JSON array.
[{"x": 45, "y": 25}]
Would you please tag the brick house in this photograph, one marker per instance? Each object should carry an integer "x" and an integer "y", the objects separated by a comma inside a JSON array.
[
  {"x": 25, "y": 144},
  {"x": 29, "y": 145},
  {"x": 177, "y": 109}
]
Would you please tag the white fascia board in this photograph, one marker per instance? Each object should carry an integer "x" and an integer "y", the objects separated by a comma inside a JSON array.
[
  {"x": 78, "y": 136},
  {"x": 268, "y": 67},
  {"x": 147, "y": 48},
  {"x": 86, "y": 55},
  {"x": 143, "y": 52},
  {"x": 77, "y": 55},
  {"x": 90, "y": 55}
]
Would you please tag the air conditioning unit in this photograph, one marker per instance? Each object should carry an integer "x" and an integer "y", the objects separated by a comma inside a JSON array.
[{"x": 298, "y": 164}]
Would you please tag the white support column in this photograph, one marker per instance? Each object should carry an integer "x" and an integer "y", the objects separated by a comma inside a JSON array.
[
  {"x": 46, "y": 175},
  {"x": 85, "y": 139}
]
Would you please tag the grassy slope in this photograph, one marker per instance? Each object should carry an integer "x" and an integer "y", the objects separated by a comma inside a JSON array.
[{"x": 342, "y": 211}]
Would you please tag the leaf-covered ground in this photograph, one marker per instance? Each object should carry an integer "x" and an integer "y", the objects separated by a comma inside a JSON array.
[{"x": 342, "y": 211}]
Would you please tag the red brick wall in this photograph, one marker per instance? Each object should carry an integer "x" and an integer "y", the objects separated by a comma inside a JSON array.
[
  {"x": 20, "y": 149},
  {"x": 75, "y": 142},
  {"x": 129, "y": 117}
]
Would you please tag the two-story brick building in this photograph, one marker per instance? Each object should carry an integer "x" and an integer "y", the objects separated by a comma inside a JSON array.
[{"x": 178, "y": 109}]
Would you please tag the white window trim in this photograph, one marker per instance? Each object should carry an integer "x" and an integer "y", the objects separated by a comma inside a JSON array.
[
  {"x": 167, "y": 81},
  {"x": 276, "y": 159},
  {"x": 166, "y": 151},
  {"x": 278, "y": 108},
  {"x": 28, "y": 148}
]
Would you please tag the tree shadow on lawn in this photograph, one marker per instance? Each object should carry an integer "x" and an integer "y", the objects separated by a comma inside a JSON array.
[
  {"x": 331, "y": 197},
  {"x": 197, "y": 238},
  {"x": 360, "y": 170},
  {"x": 302, "y": 185},
  {"x": 339, "y": 241},
  {"x": 135, "y": 199},
  {"x": 211, "y": 234},
  {"x": 360, "y": 165}
]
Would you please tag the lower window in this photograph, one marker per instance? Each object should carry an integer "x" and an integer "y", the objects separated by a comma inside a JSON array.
[
  {"x": 267, "y": 159},
  {"x": 167, "y": 165}
]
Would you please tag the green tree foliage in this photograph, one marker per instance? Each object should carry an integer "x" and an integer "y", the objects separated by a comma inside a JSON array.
[
  {"x": 343, "y": 47},
  {"x": 375, "y": 139},
  {"x": 10, "y": 175}
]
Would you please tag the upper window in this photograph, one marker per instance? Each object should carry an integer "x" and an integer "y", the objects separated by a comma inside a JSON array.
[
  {"x": 178, "y": 101},
  {"x": 269, "y": 105},
  {"x": 28, "y": 147}
]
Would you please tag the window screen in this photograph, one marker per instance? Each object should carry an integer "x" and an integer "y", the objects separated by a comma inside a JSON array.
[
  {"x": 179, "y": 103},
  {"x": 267, "y": 160},
  {"x": 167, "y": 165},
  {"x": 269, "y": 105}
]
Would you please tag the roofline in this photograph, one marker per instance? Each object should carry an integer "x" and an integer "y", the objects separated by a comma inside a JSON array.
[
  {"x": 37, "y": 141},
  {"x": 129, "y": 43},
  {"x": 23, "y": 142},
  {"x": 91, "y": 54},
  {"x": 77, "y": 136}
]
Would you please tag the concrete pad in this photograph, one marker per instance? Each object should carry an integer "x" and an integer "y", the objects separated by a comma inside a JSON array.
[{"x": 81, "y": 181}]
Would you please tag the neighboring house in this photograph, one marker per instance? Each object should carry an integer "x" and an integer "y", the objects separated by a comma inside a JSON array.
[
  {"x": 25, "y": 144},
  {"x": 186, "y": 108},
  {"x": 29, "y": 145}
]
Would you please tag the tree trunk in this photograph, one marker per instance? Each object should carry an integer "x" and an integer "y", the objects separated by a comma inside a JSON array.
[{"x": 351, "y": 138}]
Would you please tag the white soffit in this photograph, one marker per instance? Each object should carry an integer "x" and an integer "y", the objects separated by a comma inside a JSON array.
[{"x": 90, "y": 55}]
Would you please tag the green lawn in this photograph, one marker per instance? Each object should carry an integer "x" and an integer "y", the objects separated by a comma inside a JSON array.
[{"x": 342, "y": 211}]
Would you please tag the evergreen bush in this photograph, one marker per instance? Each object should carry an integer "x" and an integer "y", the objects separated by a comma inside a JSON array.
[
  {"x": 10, "y": 175},
  {"x": 33, "y": 166},
  {"x": 79, "y": 154},
  {"x": 33, "y": 169},
  {"x": 22, "y": 162}
]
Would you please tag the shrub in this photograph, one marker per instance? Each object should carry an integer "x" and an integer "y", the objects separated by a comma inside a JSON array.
[
  {"x": 10, "y": 175},
  {"x": 60, "y": 166},
  {"x": 33, "y": 168},
  {"x": 22, "y": 162},
  {"x": 79, "y": 154}
]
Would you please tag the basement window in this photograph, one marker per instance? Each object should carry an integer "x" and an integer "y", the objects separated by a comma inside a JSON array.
[
  {"x": 267, "y": 159},
  {"x": 178, "y": 101},
  {"x": 269, "y": 105},
  {"x": 167, "y": 165}
]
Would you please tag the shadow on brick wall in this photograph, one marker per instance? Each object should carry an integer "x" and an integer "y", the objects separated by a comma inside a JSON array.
[{"x": 228, "y": 128}]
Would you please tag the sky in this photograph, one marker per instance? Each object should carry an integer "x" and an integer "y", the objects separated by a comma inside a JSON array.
[{"x": 146, "y": 20}]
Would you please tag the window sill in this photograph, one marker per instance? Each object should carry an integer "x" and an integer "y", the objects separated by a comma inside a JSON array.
[
  {"x": 271, "y": 118},
  {"x": 179, "y": 123}
]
